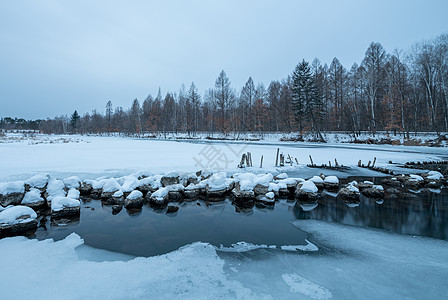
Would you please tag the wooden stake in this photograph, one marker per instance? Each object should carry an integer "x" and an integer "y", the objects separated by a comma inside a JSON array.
[
  {"x": 261, "y": 162},
  {"x": 374, "y": 160},
  {"x": 276, "y": 159},
  {"x": 312, "y": 163}
]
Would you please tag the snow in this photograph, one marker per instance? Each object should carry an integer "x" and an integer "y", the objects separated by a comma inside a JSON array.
[
  {"x": 303, "y": 286},
  {"x": 153, "y": 181},
  {"x": 118, "y": 194},
  {"x": 119, "y": 156},
  {"x": 192, "y": 272},
  {"x": 434, "y": 175},
  {"x": 111, "y": 185},
  {"x": 249, "y": 180},
  {"x": 55, "y": 188},
  {"x": 308, "y": 187},
  {"x": 38, "y": 181},
  {"x": 316, "y": 179},
  {"x": 12, "y": 187},
  {"x": 59, "y": 203},
  {"x": 73, "y": 193},
  {"x": 355, "y": 263},
  {"x": 281, "y": 176},
  {"x": 352, "y": 187},
  {"x": 72, "y": 182},
  {"x": 415, "y": 177},
  {"x": 33, "y": 196},
  {"x": 270, "y": 195},
  {"x": 135, "y": 195},
  {"x": 161, "y": 193},
  {"x": 370, "y": 182},
  {"x": 331, "y": 179},
  {"x": 130, "y": 183},
  {"x": 308, "y": 247},
  {"x": 378, "y": 187},
  {"x": 11, "y": 216},
  {"x": 97, "y": 184},
  {"x": 218, "y": 181}
]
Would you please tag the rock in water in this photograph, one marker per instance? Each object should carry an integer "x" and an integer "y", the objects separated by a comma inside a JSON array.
[
  {"x": 134, "y": 200},
  {"x": 17, "y": 219}
]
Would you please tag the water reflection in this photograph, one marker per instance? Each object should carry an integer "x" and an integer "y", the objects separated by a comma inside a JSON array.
[{"x": 425, "y": 213}]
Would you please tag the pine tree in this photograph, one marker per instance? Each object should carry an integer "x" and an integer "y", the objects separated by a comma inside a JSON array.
[
  {"x": 305, "y": 100},
  {"x": 74, "y": 120}
]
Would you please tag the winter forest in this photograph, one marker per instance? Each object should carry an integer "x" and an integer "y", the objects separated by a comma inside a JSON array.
[{"x": 398, "y": 91}]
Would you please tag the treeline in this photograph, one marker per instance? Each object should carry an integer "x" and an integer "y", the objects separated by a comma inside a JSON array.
[{"x": 401, "y": 92}]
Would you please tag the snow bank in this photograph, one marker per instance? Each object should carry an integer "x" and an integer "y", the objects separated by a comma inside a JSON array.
[
  {"x": 38, "y": 181},
  {"x": 7, "y": 188},
  {"x": 59, "y": 203},
  {"x": 192, "y": 272},
  {"x": 16, "y": 215}
]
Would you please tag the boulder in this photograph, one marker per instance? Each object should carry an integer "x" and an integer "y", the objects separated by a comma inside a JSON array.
[
  {"x": 11, "y": 193},
  {"x": 110, "y": 188},
  {"x": 17, "y": 219},
  {"x": 116, "y": 209},
  {"x": 85, "y": 189},
  {"x": 376, "y": 191},
  {"x": 117, "y": 198},
  {"x": 64, "y": 206},
  {"x": 33, "y": 198},
  {"x": 159, "y": 197},
  {"x": 318, "y": 181},
  {"x": 306, "y": 191},
  {"x": 349, "y": 193},
  {"x": 172, "y": 209},
  {"x": 169, "y": 179},
  {"x": 331, "y": 183},
  {"x": 261, "y": 189},
  {"x": 267, "y": 199},
  {"x": 242, "y": 195},
  {"x": 134, "y": 200}
]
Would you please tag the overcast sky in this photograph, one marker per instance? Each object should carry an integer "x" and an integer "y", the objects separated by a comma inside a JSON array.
[{"x": 58, "y": 56}]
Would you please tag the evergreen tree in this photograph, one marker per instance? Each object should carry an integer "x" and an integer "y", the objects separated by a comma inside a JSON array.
[
  {"x": 74, "y": 120},
  {"x": 304, "y": 96}
]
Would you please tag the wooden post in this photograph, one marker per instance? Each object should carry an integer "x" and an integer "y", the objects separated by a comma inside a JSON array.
[
  {"x": 311, "y": 159},
  {"x": 297, "y": 161},
  {"x": 329, "y": 164},
  {"x": 276, "y": 159},
  {"x": 261, "y": 162},
  {"x": 359, "y": 163},
  {"x": 335, "y": 162},
  {"x": 243, "y": 158},
  {"x": 374, "y": 160},
  {"x": 368, "y": 165}
]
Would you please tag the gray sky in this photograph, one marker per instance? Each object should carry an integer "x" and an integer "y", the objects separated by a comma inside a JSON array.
[{"x": 58, "y": 56}]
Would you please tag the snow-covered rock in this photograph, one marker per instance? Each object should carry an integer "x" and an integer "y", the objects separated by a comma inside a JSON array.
[
  {"x": 243, "y": 190},
  {"x": 134, "y": 200},
  {"x": 350, "y": 192},
  {"x": 130, "y": 183},
  {"x": 64, "y": 206},
  {"x": 218, "y": 185},
  {"x": 149, "y": 184},
  {"x": 194, "y": 190},
  {"x": 281, "y": 176},
  {"x": 73, "y": 193},
  {"x": 306, "y": 191},
  {"x": 159, "y": 197},
  {"x": 170, "y": 178},
  {"x": 434, "y": 175},
  {"x": 110, "y": 187},
  {"x": 11, "y": 192},
  {"x": 33, "y": 198},
  {"x": 72, "y": 182},
  {"x": 318, "y": 181},
  {"x": 55, "y": 188},
  {"x": 17, "y": 219},
  {"x": 268, "y": 198},
  {"x": 38, "y": 181},
  {"x": 376, "y": 191},
  {"x": 331, "y": 183}
]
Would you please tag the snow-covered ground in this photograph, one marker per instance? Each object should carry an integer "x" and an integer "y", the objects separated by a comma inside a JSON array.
[
  {"x": 351, "y": 263},
  {"x": 91, "y": 157}
]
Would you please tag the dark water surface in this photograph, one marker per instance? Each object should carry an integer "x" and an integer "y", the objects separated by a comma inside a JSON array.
[{"x": 150, "y": 232}]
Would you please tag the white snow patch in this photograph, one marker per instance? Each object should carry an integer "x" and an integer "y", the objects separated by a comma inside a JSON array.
[
  {"x": 308, "y": 247},
  {"x": 316, "y": 179},
  {"x": 55, "y": 188},
  {"x": 72, "y": 182},
  {"x": 73, "y": 193},
  {"x": 331, "y": 179},
  {"x": 434, "y": 175},
  {"x": 415, "y": 177},
  {"x": 111, "y": 185}
]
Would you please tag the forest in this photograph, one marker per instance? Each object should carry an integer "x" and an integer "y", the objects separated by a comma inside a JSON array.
[{"x": 401, "y": 91}]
